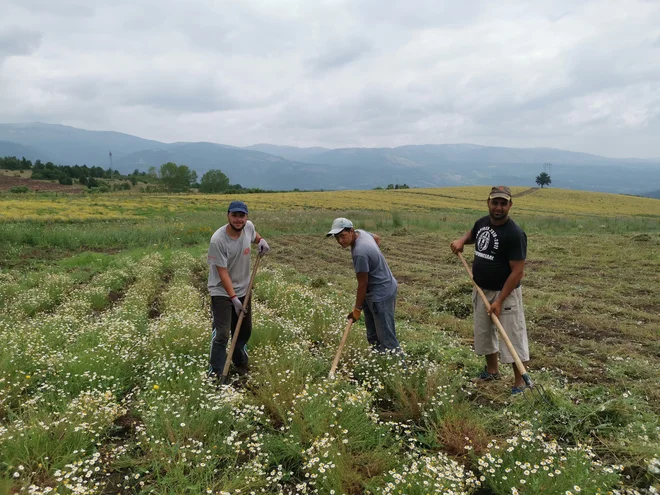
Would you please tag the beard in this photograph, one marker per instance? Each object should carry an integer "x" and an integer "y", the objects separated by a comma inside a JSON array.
[{"x": 237, "y": 229}]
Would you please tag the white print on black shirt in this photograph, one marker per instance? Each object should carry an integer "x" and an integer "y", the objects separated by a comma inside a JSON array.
[{"x": 485, "y": 237}]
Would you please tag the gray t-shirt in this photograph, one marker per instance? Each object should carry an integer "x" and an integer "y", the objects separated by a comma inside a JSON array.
[
  {"x": 368, "y": 258},
  {"x": 232, "y": 254}
]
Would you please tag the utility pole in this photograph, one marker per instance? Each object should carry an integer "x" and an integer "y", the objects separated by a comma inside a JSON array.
[{"x": 110, "y": 154}]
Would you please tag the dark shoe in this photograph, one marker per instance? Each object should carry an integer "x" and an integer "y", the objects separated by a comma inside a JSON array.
[
  {"x": 242, "y": 370},
  {"x": 517, "y": 390},
  {"x": 485, "y": 376},
  {"x": 214, "y": 377}
]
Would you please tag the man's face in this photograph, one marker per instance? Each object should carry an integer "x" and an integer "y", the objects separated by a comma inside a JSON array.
[
  {"x": 344, "y": 238},
  {"x": 237, "y": 220},
  {"x": 498, "y": 208}
]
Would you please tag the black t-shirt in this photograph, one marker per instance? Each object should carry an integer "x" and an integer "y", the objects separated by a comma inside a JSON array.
[{"x": 494, "y": 247}]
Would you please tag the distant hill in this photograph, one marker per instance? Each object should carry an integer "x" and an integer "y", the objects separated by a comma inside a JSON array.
[
  {"x": 652, "y": 194},
  {"x": 245, "y": 167},
  {"x": 19, "y": 151},
  {"x": 289, "y": 152},
  {"x": 287, "y": 167},
  {"x": 468, "y": 164},
  {"x": 70, "y": 146}
]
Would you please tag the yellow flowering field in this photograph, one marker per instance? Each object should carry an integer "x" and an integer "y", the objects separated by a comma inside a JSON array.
[{"x": 115, "y": 207}]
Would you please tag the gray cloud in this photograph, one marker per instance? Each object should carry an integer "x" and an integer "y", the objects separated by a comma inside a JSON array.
[
  {"x": 336, "y": 54},
  {"x": 18, "y": 41},
  {"x": 68, "y": 8},
  {"x": 581, "y": 75}
]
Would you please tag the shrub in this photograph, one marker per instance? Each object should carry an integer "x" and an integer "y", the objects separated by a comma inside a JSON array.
[{"x": 19, "y": 189}]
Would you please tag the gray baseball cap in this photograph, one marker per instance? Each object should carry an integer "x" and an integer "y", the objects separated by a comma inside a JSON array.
[{"x": 338, "y": 225}]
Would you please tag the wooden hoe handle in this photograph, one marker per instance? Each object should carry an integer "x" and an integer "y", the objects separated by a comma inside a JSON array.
[
  {"x": 496, "y": 320},
  {"x": 344, "y": 337},
  {"x": 234, "y": 339}
]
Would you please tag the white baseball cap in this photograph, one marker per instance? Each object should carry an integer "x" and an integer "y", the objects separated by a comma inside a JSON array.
[{"x": 338, "y": 225}]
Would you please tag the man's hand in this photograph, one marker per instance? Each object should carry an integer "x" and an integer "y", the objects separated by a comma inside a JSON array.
[
  {"x": 457, "y": 246},
  {"x": 495, "y": 308},
  {"x": 263, "y": 247},
  {"x": 354, "y": 315},
  {"x": 238, "y": 305}
]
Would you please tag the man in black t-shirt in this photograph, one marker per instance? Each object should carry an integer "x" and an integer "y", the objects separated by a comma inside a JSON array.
[{"x": 499, "y": 262}]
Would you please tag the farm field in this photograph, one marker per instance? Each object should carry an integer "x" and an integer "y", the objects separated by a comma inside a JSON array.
[
  {"x": 105, "y": 323},
  {"x": 131, "y": 206}
]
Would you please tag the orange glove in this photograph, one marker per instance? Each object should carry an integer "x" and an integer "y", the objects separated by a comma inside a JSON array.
[{"x": 355, "y": 314}]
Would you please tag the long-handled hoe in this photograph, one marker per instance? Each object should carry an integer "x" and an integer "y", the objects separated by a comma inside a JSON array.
[
  {"x": 531, "y": 391},
  {"x": 225, "y": 370},
  {"x": 335, "y": 361}
]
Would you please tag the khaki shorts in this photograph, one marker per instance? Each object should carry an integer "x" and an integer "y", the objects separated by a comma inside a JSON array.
[{"x": 512, "y": 318}]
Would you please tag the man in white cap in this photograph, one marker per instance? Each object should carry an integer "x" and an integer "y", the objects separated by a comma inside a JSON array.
[
  {"x": 499, "y": 264},
  {"x": 377, "y": 287},
  {"x": 229, "y": 277}
]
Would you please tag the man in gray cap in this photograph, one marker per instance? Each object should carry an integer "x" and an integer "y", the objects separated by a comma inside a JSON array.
[
  {"x": 377, "y": 287},
  {"x": 229, "y": 277},
  {"x": 499, "y": 263}
]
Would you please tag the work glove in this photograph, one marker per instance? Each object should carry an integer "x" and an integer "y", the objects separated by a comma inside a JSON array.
[
  {"x": 263, "y": 247},
  {"x": 355, "y": 314},
  {"x": 238, "y": 305}
]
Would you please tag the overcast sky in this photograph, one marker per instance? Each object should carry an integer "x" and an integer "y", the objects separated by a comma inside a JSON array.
[{"x": 578, "y": 75}]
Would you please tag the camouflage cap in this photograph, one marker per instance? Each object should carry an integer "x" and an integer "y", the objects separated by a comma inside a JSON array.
[{"x": 500, "y": 192}]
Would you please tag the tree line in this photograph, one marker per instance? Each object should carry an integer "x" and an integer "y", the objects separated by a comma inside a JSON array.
[
  {"x": 180, "y": 178},
  {"x": 169, "y": 177},
  {"x": 13, "y": 163}
]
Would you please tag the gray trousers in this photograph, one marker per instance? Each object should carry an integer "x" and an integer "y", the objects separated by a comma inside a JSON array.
[
  {"x": 224, "y": 323},
  {"x": 379, "y": 320}
]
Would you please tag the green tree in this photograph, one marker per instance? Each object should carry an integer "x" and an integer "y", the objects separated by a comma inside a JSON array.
[
  {"x": 543, "y": 179},
  {"x": 214, "y": 181},
  {"x": 177, "y": 178}
]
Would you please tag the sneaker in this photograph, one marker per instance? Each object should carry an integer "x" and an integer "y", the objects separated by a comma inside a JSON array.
[
  {"x": 242, "y": 370},
  {"x": 486, "y": 376},
  {"x": 517, "y": 390}
]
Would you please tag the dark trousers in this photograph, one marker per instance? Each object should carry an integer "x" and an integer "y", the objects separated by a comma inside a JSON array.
[
  {"x": 224, "y": 324},
  {"x": 379, "y": 320}
]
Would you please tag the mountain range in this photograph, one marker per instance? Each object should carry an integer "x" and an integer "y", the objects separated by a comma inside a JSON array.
[{"x": 270, "y": 166}]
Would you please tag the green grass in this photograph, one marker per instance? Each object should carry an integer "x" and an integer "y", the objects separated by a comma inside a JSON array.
[{"x": 114, "y": 374}]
